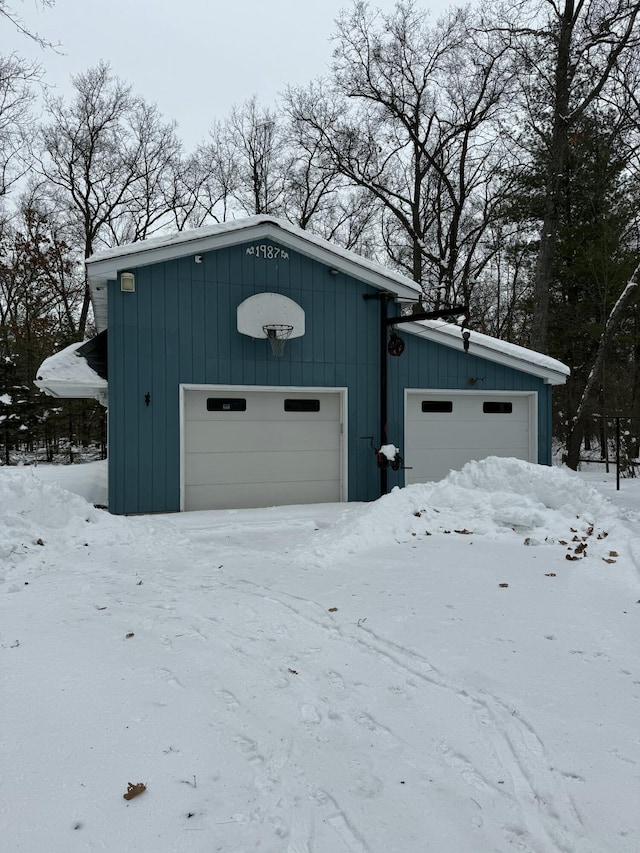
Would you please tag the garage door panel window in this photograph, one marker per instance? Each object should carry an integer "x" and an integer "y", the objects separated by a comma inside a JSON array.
[
  {"x": 497, "y": 408},
  {"x": 226, "y": 404},
  {"x": 297, "y": 405},
  {"x": 437, "y": 406}
]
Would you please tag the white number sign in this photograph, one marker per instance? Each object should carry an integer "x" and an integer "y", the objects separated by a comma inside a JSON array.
[{"x": 268, "y": 252}]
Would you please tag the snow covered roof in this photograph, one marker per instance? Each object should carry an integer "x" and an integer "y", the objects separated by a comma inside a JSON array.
[
  {"x": 511, "y": 355},
  {"x": 67, "y": 374},
  {"x": 106, "y": 265}
]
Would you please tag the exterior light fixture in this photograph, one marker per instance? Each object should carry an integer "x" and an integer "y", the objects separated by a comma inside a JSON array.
[{"x": 127, "y": 282}]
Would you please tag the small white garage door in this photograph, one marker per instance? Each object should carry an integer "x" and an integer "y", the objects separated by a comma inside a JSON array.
[
  {"x": 260, "y": 447},
  {"x": 445, "y": 431}
]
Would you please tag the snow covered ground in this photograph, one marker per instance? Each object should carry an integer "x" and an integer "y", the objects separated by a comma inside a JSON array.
[{"x": 451, "y": 669}]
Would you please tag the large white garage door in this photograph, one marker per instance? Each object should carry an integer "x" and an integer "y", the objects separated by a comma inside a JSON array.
[
  {"x": 260, "y": 447},
  {"x": 444, "y": 432}
]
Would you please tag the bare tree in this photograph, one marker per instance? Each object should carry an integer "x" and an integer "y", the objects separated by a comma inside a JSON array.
[
  {"x": 9, "y": 13},
  {"x": 207, "y": 182},
  {"x": 110, "y": 161},
  {"x": 153, "y": 194},
  {"x": 16, "y": 97},
  {"x": 255, "y": 136},
  {"x": 408, "y": 117}
]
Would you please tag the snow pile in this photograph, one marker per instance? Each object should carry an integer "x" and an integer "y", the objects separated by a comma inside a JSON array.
[
  {"x": 30, "y": 510},
  {"x": 495, "y": 497},
  {"x": 35, "y": 513},
  {"x": 68, "y": 366},
  {"x": 90, "y": 480}
]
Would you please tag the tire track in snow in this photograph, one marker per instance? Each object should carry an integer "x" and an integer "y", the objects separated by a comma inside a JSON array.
[{"x": 547, "y": 809}]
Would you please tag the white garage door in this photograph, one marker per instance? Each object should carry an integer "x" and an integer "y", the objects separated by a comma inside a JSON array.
[
  {"x": 444, "y": 432},
  {"x": 260, "y": 448}
]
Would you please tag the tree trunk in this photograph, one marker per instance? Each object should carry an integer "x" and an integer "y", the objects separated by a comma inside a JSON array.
[
  {"x": 574, "y": 441},
  {"x": 557, "y": 156}
]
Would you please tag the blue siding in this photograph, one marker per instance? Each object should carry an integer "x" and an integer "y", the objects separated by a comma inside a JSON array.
[
  {"x": 180, "y": 327},
  {"x": 425, "y": 364}
]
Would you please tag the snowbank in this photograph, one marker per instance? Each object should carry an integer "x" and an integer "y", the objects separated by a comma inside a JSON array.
[
  {"x": 43, "y": 519},
  {"x": 31, "y": 509},
  {"x": 494, "y": 497}
]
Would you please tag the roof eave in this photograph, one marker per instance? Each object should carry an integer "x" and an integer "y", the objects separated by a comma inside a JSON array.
[
  {"x": 100, "y": 270},
  {"x": 478, "y": 347},
  {"x": 74, "y": 390}
]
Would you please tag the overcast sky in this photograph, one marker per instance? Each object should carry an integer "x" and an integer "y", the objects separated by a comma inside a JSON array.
[{"x": 194, "y": 58}]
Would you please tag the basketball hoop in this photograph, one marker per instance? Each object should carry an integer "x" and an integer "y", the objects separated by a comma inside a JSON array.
[{"x": 278, "y": 334}]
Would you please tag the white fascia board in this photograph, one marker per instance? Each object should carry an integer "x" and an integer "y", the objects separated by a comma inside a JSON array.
[
  {"x": 105, "y": 266},
  {"x": 492, "y": 349},
  {"x": 68, "y": 390}
]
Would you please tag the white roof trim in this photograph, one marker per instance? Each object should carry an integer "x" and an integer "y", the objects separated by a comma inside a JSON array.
[
  {"x": 511, "y": 355},
  {"x": 106, "y": 265},
  {"x": 68, "y": 390}
]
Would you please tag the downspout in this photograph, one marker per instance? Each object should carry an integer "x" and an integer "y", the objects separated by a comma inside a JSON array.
[
  {"x": 384, "y": 298},
  {"x": 385, "y": 322}
]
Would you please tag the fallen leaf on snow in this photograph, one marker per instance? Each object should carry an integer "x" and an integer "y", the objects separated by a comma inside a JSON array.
[
  {"x": 503, "y": 585},
  {"x": 613, "y": 553},
  {"x": 129, "y": 635},
  {"x": 550, "y": 575},
  {"x": 39, "y": 542},
  {"x": 134, "y": 790},
  {"x": 292, "y": 671},
  {"x": 464, "y": 532},
  {"x": 607, "y": 560},
  {"x": 571, "y": 557},
  {"x": 332, "y": 609}
]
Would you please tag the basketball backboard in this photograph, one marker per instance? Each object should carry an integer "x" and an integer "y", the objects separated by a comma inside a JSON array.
[{"x": 269, "y": 309}]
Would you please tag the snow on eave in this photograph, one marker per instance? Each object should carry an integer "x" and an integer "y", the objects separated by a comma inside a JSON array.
[
  {"x": 66, "y": 374},
  {"x": 104, "y": 266},
  {"x": 553, "y": 372}
]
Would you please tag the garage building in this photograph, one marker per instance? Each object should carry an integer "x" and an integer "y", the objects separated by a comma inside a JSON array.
[{"x": 246, "y": 364}]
